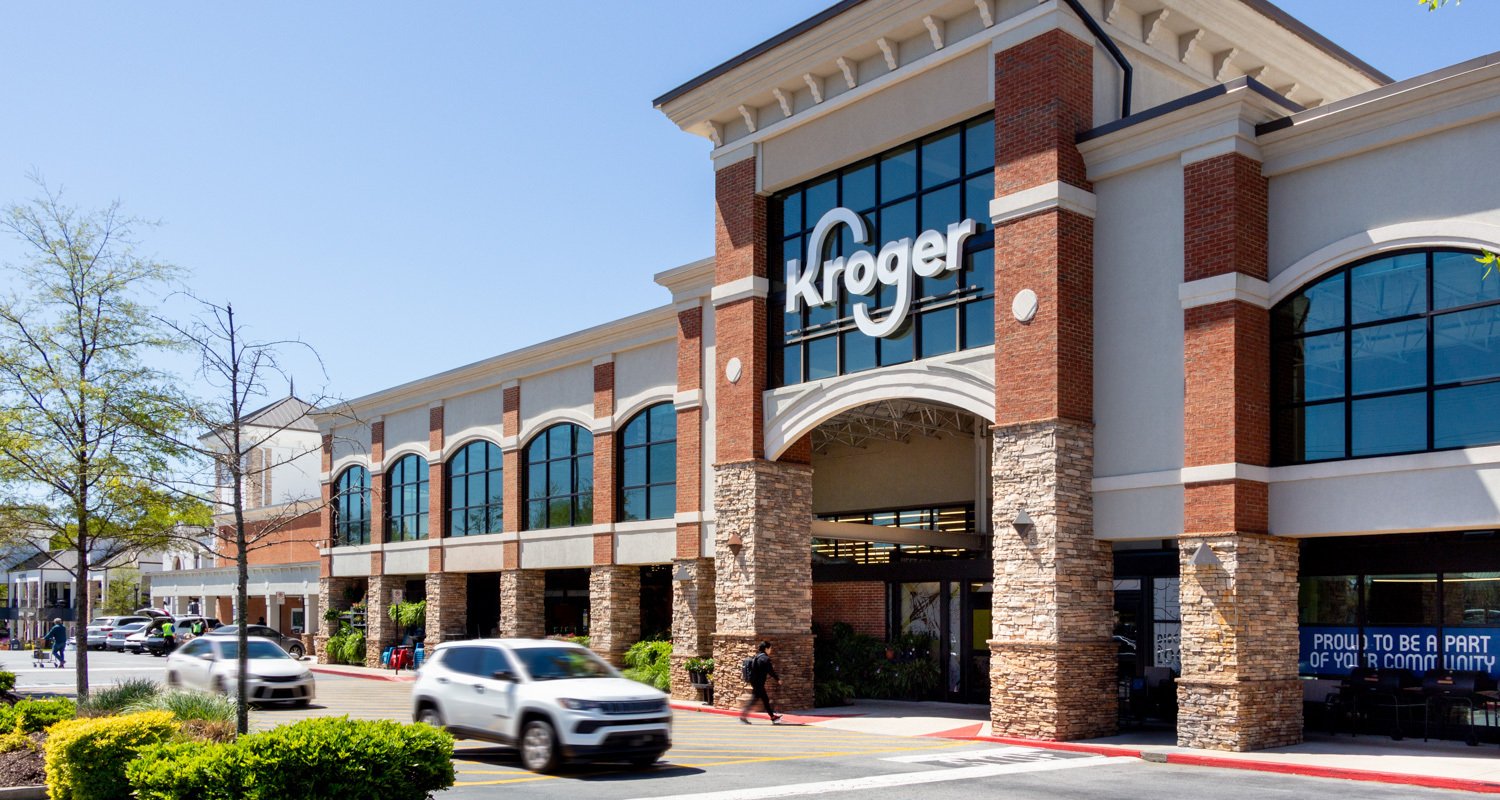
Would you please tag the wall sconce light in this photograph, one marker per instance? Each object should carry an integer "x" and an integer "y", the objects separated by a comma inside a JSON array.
[
  {"x": 682, "y": 573},
  {"x": 1023, "y": 524},
  {"x": 1204, "y": 556},
  {"x": 735, "y": 542}
]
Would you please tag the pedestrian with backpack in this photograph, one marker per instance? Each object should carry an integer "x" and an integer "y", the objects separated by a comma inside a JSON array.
[
  {"x": 58, "y": 636},
  {"x": 755, "y": 670}
]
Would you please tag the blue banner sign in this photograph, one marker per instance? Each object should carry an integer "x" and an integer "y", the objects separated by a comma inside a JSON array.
[{"x": 1336, "y": 650}]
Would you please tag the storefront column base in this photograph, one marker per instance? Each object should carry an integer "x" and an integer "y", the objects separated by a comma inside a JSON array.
[
  {"x": 1055, "y": 692},
  {"x": 333, "y": 593},
  {"x": 693, "y": 614},
  {"x": 1239, "y": 716},
  {"x": 380, "y": 629},
  {"x": 447, "y": 607},
  {"x": 793, "y": 660},
  {"x": 614, "y": 610},
  {"x": 522, "y": 610}
]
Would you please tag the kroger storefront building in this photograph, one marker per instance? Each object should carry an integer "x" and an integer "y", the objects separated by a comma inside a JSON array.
[{"x": 1136, "y": 343}]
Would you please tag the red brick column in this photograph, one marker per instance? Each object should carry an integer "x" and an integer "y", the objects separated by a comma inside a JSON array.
[
  {"x": 521, "y": 590},
  {"x": 511, "y": 457},
  {"x": 763, "y": 509},
  {"x": 437, "y": 485},
  {"x": 1052, "y": 666},
  {"x": 1239, "y": 687},
  {"x": 377, "y": 485},
  {"x": 604, "y": 464}
]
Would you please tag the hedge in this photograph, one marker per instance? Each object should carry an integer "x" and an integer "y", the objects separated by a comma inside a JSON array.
[
  {"x": 30, "y": 715},
  {"x": 86, "y": 758},
  {"x": 328, "y": 758}
]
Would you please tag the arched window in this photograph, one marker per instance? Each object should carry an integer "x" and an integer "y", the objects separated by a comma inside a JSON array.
[
  {"x": 560, "y": 478},
  {"x": 476, "y": 492},
  {"x": 1394, "y": 354},
  {"x": 351, "y": 507},
  {"x": 406, "y": 499},
  {"x": 648, "y": 464}
]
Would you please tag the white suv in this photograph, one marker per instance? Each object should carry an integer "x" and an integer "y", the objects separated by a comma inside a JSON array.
[{"x": 554, "y": 701}]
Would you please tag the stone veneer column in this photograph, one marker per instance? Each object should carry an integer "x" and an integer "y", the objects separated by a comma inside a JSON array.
[
  {"x": 380, "y": 629},
  {"x": 693, "y": 616},
  {"x": 521, "y": 609},
  {"x": 1052, "y": 666},
  {"x": 1239, "y": 688},
  {"x": 763, "y": 587},
  {"x": 614, "y": 610},
  {"x": 332, "y": 593},
  {"x": 693, "y": 608},
  {"x": 447, "y": 601},
  {"x": 763, "y": 509}
]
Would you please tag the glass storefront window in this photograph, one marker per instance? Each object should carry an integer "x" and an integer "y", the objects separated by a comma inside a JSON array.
[
  {"x": 1329, "y": 600},
  {"x": 1401, "y": 599},
  {"x": 1394, "y": 354},
  {"x": 943, "y": 178}
]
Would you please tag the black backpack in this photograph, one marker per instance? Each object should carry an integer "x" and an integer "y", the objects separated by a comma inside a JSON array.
[{"x": 747, "y": 669}]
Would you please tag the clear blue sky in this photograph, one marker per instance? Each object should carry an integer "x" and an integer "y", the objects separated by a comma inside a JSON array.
[{"x": 412, "y": 187}]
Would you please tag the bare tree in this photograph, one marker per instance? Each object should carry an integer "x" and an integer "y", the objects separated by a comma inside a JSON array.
[
  {"x": 85, "y": 423},
  {"x": 234, "y": 429}
]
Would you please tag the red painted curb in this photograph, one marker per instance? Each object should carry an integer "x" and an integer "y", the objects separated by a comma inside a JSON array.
[
  {"x": 1072, "y": 747},
  {"x": 1308, "y": 770},
  {"x": 366, "y": 676}
]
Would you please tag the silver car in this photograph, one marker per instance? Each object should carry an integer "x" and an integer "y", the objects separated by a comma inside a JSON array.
[
  {"x": 97, "y": 632},
  {"x": 212, "y": 663},
  {"x": 115, "y": 640}
]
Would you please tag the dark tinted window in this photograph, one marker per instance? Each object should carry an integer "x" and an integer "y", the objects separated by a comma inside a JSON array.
[
  {"x": 406, "y": 499},
  {"x": 560, "y": 478},
  {"x": 648, "y": 464},
  {"x": 462, "y": 659},
  {"x": 476, "y": 490},
  {"x": 351, "y": 507},
  {"x": 1394, "y": 354}
]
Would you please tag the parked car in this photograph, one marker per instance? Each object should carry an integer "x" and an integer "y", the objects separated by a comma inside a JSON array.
[
  {"x": 98, "y": 631},
  {"x": 155, "y": 642},
  {"x": 554, "y": 701},
  {"x": 116, "y": 638},
  {"x": 291, "y": 644},
  {"x": 212, "y": 663}
]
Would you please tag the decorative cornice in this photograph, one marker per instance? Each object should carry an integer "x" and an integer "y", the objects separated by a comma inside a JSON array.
[
  {"x": 1223, "y": 288},
  {"x": 1046, "y": 197},
  {"x": 741, "y": 289}
]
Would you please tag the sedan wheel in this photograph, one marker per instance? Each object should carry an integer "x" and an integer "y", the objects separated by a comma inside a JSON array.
[
  {"x": 539, "y": 746},
  {"x": 295, "y": 650},
  {"x": 173, "y": 680}
]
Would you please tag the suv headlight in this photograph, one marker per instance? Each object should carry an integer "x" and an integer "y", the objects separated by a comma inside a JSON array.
[{"x": 580, "y": 705}]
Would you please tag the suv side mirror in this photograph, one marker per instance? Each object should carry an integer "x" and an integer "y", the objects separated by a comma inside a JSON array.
[{"x": 504, "y": 675}]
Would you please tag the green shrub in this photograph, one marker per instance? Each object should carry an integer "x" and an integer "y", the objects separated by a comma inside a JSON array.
[
  {"x": 696, "y": 664},
  {"x": 114, "y": 699},
  {"x": 855, "y": 665},
  {"x": 409, "y": 615},
  {"x": 32, "y": 715},
  {"x": 650, "y": 663},
  {"x": 7, "y": 681},
  {"x": 347, "y": 646},
  {"x": 16, "y": 740},
  {"x": 328, "y": 758},
  {"x": 86, "y": 758},
  {"x": 188, "y": 706}
]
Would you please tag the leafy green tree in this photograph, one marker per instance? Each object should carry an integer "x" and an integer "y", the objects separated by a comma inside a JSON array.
[
  {"x": 241, "y": 371},
  {"x": 123, "y": 591},
  {"x": 83, "y": 417}
]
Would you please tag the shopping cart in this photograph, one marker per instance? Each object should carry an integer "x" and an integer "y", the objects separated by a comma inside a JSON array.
[{"x": 41, "y": 656}]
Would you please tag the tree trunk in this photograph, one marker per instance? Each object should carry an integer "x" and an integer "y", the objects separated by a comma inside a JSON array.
[{"x": 80, "y": 623}]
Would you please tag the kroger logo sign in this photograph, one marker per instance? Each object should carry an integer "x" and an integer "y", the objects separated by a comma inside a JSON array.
[{"x": 897, "y": 265}]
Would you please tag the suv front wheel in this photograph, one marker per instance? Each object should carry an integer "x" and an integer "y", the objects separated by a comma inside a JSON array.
[{"x": 539, "y": 746}]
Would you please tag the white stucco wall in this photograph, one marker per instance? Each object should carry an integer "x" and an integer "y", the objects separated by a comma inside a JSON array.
[
  {"x": 1453, "y": 490},
  {"x": 474, "y": 414},
  {"x": 566, "y": 393},
  {"x": 1439, "y": 177},
  {"x": 1138, "y": 340},
  {"x": 405, "y": 429},
  {"x": 351, "y": 444},
  {"x": 642, "y": 376}
]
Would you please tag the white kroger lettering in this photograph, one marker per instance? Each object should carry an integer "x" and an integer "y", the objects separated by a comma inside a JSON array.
[{"x": 896, "y": 265}]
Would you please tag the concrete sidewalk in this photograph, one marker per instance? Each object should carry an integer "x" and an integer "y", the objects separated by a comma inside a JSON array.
[{"x": 1436, "y": 764}]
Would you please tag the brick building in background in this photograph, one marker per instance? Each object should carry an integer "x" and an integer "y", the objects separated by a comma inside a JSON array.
[{"x": 1125, "y": 343}]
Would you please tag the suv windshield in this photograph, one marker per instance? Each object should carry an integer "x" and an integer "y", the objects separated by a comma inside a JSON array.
[
  {"x": 558, "y": 663},
  {"x": 256, "y": 650}
]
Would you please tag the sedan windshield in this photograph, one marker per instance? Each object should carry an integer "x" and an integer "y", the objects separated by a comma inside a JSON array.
[
  {"x": 558, "y": 663},
  {"x": 257, "y": 650}
]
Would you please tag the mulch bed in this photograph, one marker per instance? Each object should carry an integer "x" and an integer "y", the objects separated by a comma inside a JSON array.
[{"x": 23, "y": 767}]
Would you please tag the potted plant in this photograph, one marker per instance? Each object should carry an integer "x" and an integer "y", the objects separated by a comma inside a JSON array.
[{"x": 700, "y": 671}]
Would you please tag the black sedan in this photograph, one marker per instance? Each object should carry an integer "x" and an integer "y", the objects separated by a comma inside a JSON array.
[{"x": 291, "y": 644}]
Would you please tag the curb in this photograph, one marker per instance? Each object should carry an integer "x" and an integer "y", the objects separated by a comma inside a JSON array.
[
  {"x": 38, "y": 792},
  {"x": 1282, "y": 768},
  {"x": 1313, "y": 771},
  {"x": 325, "y": 670}
]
